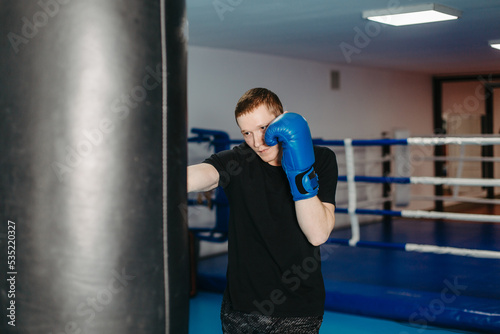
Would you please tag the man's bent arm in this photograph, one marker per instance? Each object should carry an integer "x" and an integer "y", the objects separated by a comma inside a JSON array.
[
  {"x": 202, "y": 177},
  {"x": 316, "y": 219}
]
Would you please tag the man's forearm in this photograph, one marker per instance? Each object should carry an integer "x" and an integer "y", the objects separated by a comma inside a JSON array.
[
  {"x": 201, "y": 177},
  {"x": 316, "y": 219}
]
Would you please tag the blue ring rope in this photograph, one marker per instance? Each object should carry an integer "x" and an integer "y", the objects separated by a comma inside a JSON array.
[
  {"x": 368, "y": 244},
  {"x": 392, "y": 213},
  {"x": 377, "y": 179},
  {"x": 362, "y": 142}
]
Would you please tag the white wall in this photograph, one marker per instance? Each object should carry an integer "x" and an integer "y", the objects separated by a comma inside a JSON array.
[{"x": 368, "y": 102}]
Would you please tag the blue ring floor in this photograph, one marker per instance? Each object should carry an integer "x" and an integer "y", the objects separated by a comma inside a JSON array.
[{"x": 408, "y": 292}]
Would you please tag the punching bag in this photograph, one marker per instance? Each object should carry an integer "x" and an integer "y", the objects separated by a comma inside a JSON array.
[{"x": 93, "y": 167}]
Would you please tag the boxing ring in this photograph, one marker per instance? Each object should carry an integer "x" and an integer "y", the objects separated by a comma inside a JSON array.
[{"x": 421, "y": 267}]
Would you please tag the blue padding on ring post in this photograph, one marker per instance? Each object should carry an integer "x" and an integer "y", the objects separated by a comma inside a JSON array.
[
  {"x": 221, "y": 142},
  {"x": 219, "y": 139}
]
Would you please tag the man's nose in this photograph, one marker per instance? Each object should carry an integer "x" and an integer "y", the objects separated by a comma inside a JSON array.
[{"x": 259, "y": 140}]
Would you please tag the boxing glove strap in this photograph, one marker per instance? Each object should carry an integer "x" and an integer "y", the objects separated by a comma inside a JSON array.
[{"x": 305, "y": 185}]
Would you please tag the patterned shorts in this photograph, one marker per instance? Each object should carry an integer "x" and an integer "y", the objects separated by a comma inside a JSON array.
[{"x": 236, "y": 322}]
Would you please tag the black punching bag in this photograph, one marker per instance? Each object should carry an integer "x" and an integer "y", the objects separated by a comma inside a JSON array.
[{"x": 93, "y": 167}]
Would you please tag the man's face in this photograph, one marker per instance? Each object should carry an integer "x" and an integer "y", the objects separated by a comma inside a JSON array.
[{"x": 253, "y": 126}]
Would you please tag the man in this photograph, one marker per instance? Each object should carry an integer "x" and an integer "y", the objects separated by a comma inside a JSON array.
[{"x": 281, "y": 193}]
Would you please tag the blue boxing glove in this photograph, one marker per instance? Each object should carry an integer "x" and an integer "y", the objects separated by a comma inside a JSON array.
[{"x": 292, "y": 131}]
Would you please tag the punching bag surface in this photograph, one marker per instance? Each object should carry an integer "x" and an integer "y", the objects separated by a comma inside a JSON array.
[{"x": 92, "y": 161}]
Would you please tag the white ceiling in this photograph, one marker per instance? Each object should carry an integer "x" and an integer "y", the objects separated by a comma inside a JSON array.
[{"x": 320, "y": 30}]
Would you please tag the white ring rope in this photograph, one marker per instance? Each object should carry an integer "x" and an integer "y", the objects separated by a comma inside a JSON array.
[
  {"x": 370, "y": 161},
  {"x": 465, "y": 159},
  {"x": 454, "y": 140},
  {"x": 453, "y": 181},
  {"x": 452, "y": 251},
  {"x": 450, "y": 215},
  {"x": 457, "y": 199},
  {"x": 372, "y": 202}
]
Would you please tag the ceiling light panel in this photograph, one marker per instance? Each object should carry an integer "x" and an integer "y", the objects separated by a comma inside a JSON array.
[
  {"x": 495, "y": 44},
  {"x": 425, "y": 13}
]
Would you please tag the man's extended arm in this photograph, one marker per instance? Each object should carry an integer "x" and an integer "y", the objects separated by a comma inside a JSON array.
[{"x": 202, "y": 177}]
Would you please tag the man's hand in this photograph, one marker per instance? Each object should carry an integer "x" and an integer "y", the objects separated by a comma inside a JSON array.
[{"x": 292, "y": 131}]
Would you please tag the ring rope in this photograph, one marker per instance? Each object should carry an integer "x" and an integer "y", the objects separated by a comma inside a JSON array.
[
  {"x": 374, "y": 201},
  {"x": 450, "y": 215},
  {"x": 425, "y": 180},
  {"x": 426, "y": 214},
  {"x": 414, "y": 141},
  {"x": 465, "y": 159},
  {"x": 452, "y": 250},
  {"x": 411, "y": 247},
  {"x": 453, "y": 140},
  {"x": 457, "y": 199},
  {"x": 205, "y": 136},
  {"x": 370, "y": 161}
]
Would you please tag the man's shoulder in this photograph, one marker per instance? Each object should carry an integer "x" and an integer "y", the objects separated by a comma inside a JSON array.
[
  {"x": 324, "y": 152},
  {"x": 241, "y": 152}
]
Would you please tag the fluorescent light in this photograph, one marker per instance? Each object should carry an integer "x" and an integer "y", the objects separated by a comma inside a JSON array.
[
  {"x": 425, "y": 13},
  {"x": 495, "y": 44}
]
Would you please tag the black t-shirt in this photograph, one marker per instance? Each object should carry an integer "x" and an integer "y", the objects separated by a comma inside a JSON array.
[{"x": 272, "y": 267}]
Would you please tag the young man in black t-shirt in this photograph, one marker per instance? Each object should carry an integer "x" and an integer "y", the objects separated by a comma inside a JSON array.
[{"x": 281, "y": 192}]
